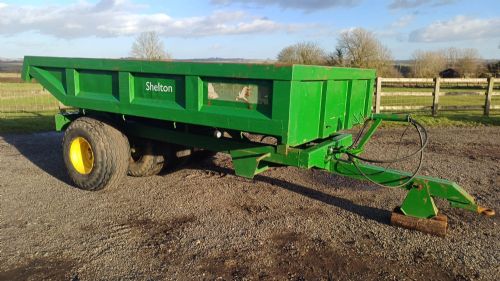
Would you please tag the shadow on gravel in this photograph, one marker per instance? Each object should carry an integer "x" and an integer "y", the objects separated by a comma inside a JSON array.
[
  {"x": 41, "y": 269},
  {"x": 43, "y": 150},
  {"x": 371, "y": 213}
]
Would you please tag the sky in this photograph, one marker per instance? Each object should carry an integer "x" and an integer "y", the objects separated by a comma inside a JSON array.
[{"x": 251, "y": 29}]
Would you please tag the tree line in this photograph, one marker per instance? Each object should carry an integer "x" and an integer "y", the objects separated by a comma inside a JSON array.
[{"x": 358, "y": 48}]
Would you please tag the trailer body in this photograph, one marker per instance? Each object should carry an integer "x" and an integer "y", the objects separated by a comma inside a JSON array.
[
  {"x": 214, "y": 106},
  {"x": 295, "y": 103}
]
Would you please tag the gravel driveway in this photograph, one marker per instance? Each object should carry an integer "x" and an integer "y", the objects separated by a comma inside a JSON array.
[{"x": 203, "y": 223}]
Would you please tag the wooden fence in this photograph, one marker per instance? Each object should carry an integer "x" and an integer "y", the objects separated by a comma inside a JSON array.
[{"x": 436, "y": 84}]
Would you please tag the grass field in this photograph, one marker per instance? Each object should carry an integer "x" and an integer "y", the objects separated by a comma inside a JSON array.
[
  {"x": 27, "y": 122},
  {"x": 26, "y": 107},
  {"x": 23, "y": 98}
]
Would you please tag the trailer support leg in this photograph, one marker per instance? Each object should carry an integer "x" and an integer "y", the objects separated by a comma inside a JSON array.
[
  {"x": 419, "y": 203},
  {"x": 248, "y": 165}
]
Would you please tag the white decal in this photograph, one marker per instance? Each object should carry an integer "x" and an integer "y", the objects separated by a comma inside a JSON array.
[{"x": 159, "y": 87}]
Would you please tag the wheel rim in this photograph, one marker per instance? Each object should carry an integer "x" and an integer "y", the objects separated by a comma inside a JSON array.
[{"x": 81, "y": 156}]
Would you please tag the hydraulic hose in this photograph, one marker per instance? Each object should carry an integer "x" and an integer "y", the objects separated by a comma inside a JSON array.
[{"x": 423, "y": 136}]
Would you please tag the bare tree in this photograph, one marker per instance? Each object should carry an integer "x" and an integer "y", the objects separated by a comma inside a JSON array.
[
  {"x": 494, "y": 69},
  {"x": 469, "y": 63},
  {"x": 452, "y": 57},
  {"x": 466, "y": 62},
  {"x": 428, "y": 63},
  {"x": 336, "y": 58},
  {"x": 148, "y": 46},
  {"x": 360, "y": 48},
  {"x": 303, "y": 53}
]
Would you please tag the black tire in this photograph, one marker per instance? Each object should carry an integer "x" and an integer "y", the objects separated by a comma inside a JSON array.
[
  {"x": 110, "y": 154},
  {"x": 146, "y": 159}
]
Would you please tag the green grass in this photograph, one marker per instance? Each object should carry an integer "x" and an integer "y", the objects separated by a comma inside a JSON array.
[
  {"x": 460, "y": 119},
  {"x": 427, "y": 101},
  {"x": 24, "y": 108},
  {"x": 25, "y": 97},
  {"x": 27, "y": 102},
  {"x": 27, "y": 122},
  {"x": 453, "y": 119}
]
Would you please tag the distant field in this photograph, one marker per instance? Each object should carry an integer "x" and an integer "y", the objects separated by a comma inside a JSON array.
[
  {"x": 10, "y": 77},
  {"x": 25, "y": 97},
  {"x": 8, "y": 74},
  {"x": 25, "y": 107},
  {"x": 10, "y": 66}
]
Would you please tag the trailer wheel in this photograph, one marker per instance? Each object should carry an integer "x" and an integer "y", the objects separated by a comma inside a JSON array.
[
  {"x": 145, "y": 159},
  {"x": 95, "y": 154}
]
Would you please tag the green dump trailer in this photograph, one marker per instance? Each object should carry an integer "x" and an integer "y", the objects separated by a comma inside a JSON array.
[{"x": 137, "y": 117}]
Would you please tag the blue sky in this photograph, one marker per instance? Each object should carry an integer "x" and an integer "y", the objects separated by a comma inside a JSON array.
[{"x": 254, "y": 29}]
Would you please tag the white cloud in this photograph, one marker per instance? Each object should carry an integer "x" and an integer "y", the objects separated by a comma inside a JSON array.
[
  {"x": 457, "y": 29},
  {"x": 2, "y": 5},
  {"x": 111, "y": 18},
  {"x": 310, "y": 5},
  {"x": 409, "y": 4}
]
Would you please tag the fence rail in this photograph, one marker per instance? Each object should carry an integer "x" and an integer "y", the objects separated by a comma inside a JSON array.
[{"x": 437, "y": 92}]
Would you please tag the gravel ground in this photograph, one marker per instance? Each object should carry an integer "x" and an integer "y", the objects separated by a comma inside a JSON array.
[{"x": 203, "y": 223}]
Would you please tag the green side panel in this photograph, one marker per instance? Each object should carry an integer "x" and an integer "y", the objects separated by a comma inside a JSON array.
[
  {"x": 305, "y": 106},
  {"x": 167, "y": 91},
  {"x": 335, "y": 106},
  {"x": 281, "y": 105},
  {"x": 356, "y": 101},
  {"x": 98, "y": 85},
  {"x": 295, "y": 103}
]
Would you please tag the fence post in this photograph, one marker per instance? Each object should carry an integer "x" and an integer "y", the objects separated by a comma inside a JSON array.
[
  {"x": 378, "y": 94},
  {"x": 435, "y": 102},
  {"x": 489, "y": 93}
]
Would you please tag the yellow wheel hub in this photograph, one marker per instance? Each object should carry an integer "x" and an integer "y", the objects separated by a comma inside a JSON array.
[{"x": 81, "y": 155}]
